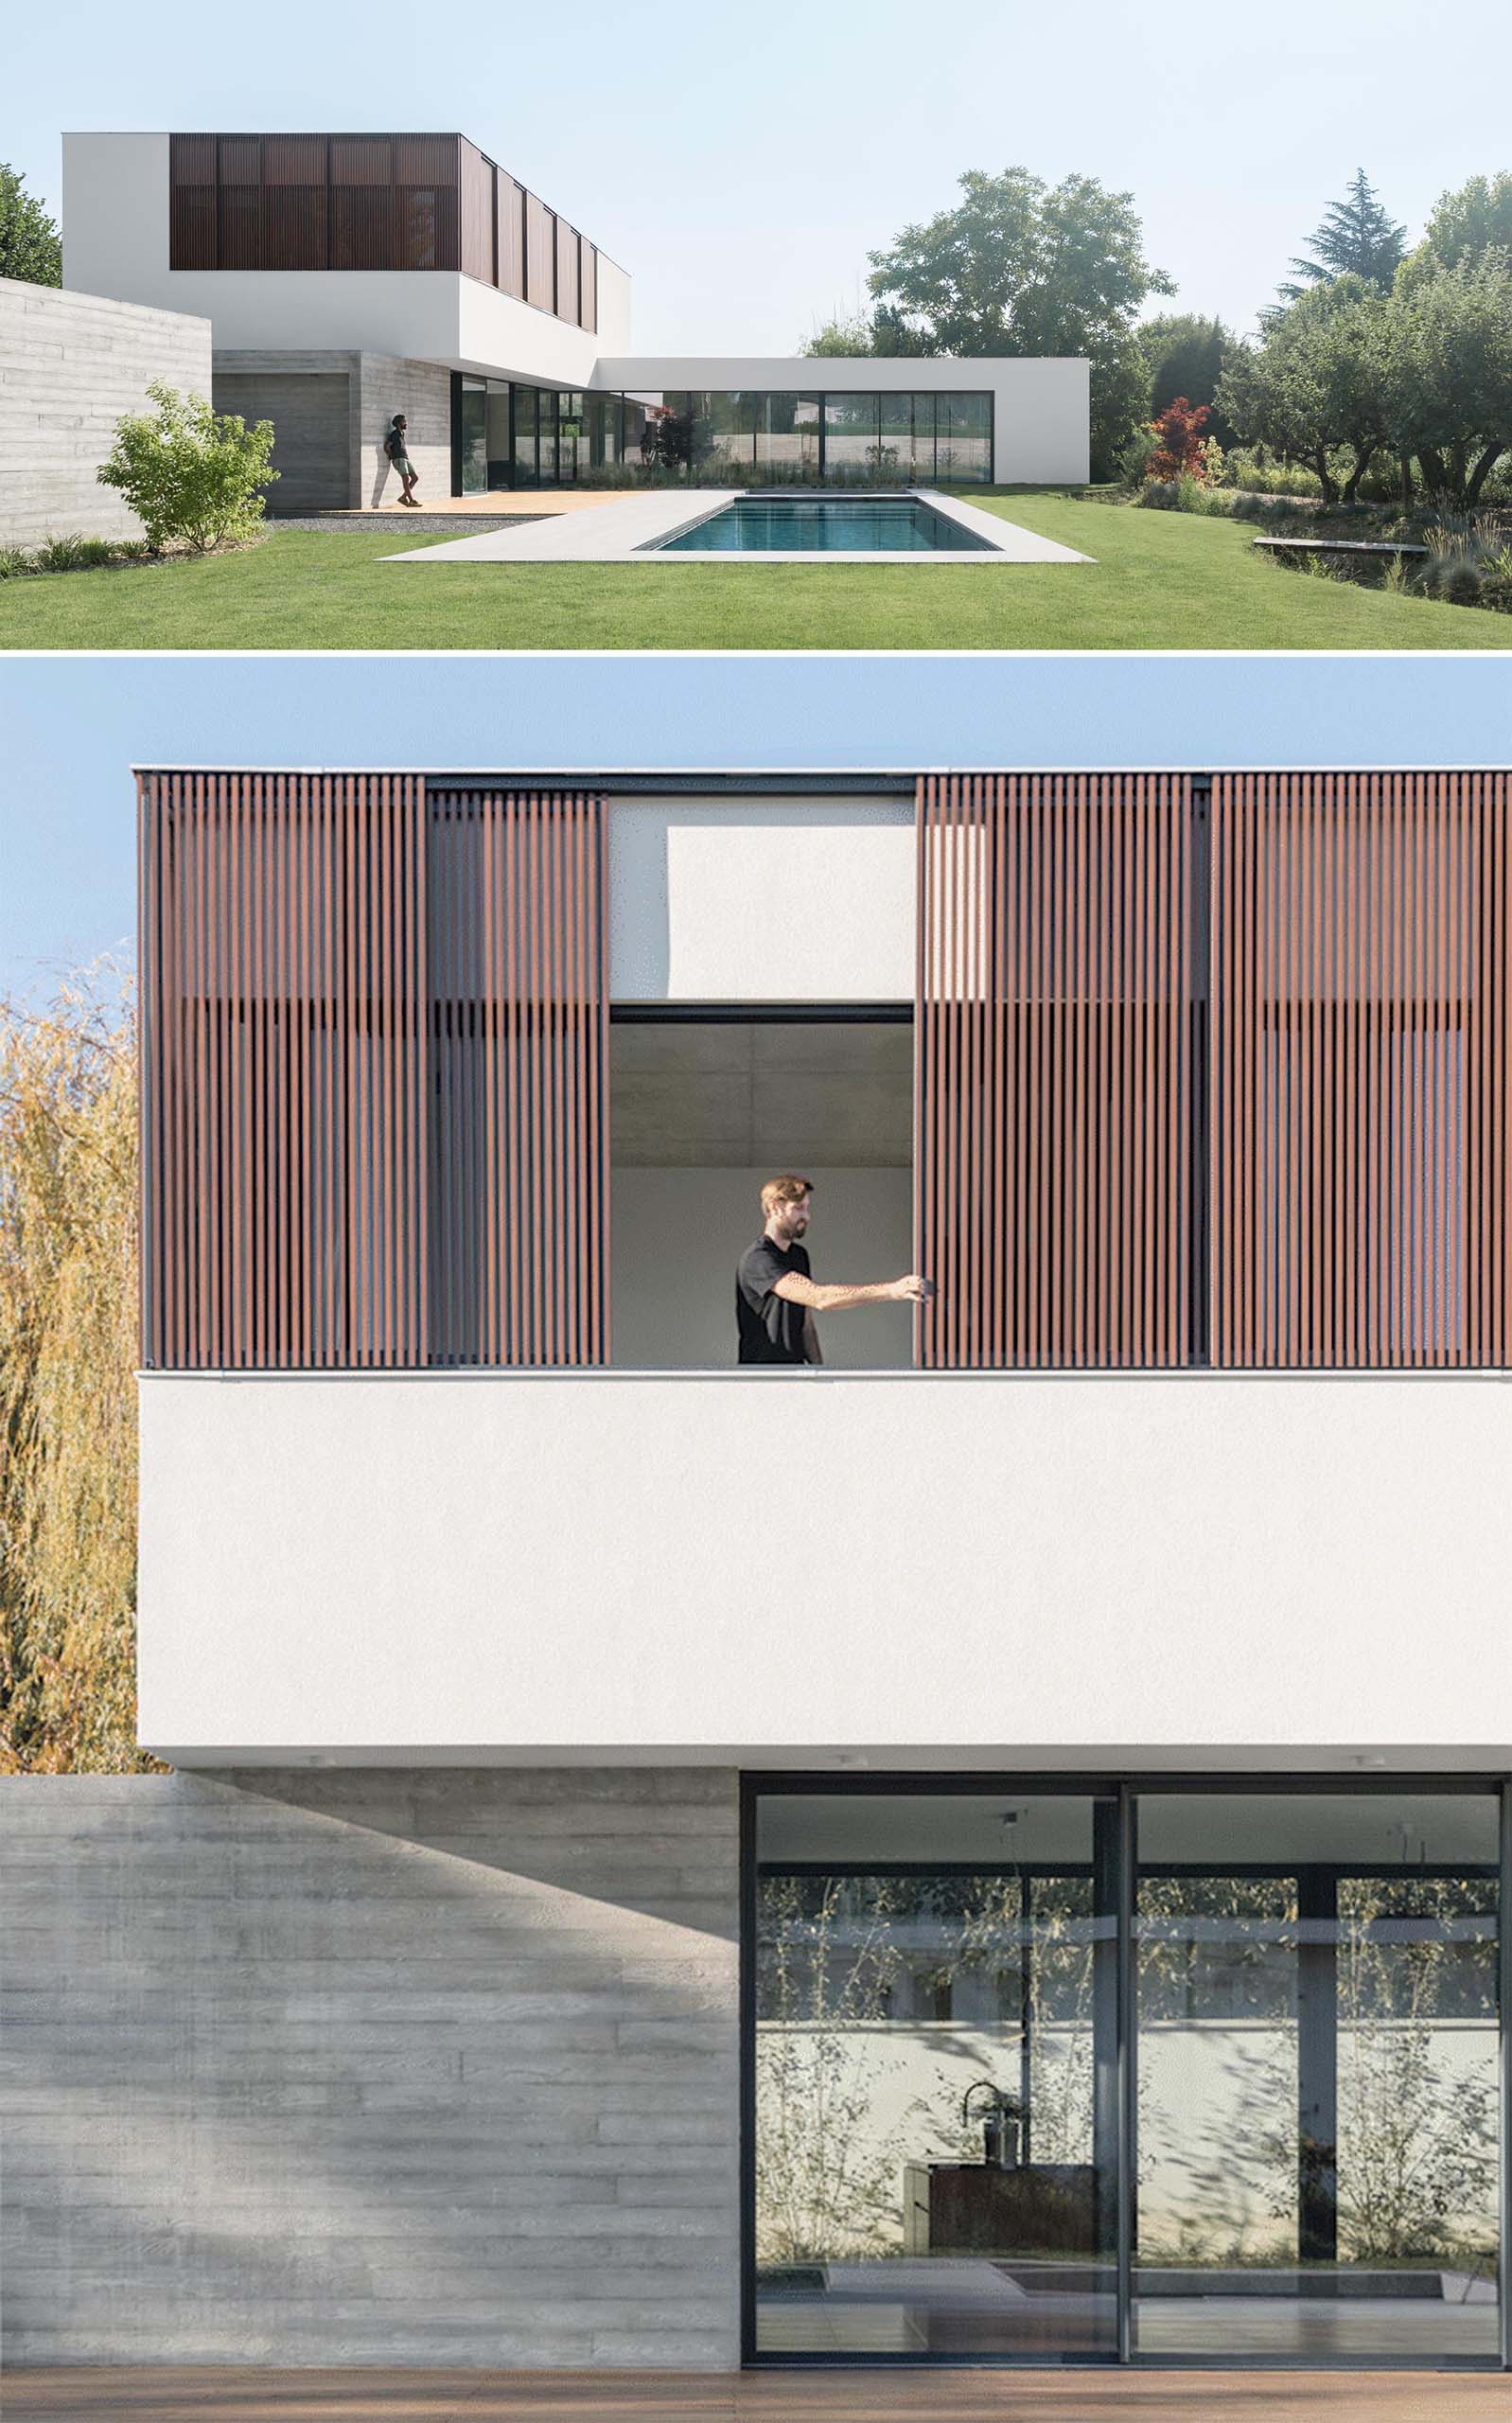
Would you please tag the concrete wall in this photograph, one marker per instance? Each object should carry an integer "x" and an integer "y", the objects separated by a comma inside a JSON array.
[
  {"x": 371, "y": 2068},
  {"x": 677, "y": 1234},
  {"x": 1054, "y": 1570},
  {"x": 1042, "y": 407},
  {"x": 297, "y": 392},
  {"x": 771, "y": 900},
  {"x": 70, "y": 366}
]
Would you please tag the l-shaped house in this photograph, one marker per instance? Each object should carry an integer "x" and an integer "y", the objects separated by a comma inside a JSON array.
[{"x": 348, "y": 276}]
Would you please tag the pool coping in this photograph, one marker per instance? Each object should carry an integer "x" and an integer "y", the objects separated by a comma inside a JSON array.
[{"x": 635, "y": 530}]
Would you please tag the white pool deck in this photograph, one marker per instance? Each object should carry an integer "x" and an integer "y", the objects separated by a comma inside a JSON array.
[{"x": 633, "y": 530}]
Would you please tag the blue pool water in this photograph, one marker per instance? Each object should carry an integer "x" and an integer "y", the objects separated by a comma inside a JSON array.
[{"x": 825, "y": 526}]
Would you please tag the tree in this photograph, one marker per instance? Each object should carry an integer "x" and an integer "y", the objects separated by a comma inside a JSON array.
[
  {"x": 839, "y": 336},
  {"x": 1464, "y": 227},
  {"x": 1317, "y": 382},
  {"x": 1186, "y": 355},
  {"x": 1354, "y": 239},
  {"x": 31, "y": 247},
  {"x": 69, "y": 1305},
  {"x": 1021, "y": 267},
  {"x": 1448, "y": 374},
  {"x": 1181, "y": 431},
  {"x": 188, "y": 472}
]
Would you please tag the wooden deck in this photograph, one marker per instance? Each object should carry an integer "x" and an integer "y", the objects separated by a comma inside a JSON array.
[{"x": 218, "y": 2395}]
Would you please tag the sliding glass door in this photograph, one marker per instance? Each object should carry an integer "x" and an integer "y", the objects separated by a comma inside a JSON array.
[
  {"x": 935, "y": 2109},
  {"x": 1180, "y": 2076}
]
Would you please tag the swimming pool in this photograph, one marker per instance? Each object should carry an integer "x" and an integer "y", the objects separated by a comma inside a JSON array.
[{"x": 826, "y": 525}]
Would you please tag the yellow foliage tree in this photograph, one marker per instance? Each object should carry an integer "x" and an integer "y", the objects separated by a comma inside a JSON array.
[{"x": 68, "y": 1321}]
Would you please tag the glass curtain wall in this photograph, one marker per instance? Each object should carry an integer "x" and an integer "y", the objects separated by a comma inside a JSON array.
[
  {"x": 559, "y": 436},
  {"x": 1268, "y": 2023}
]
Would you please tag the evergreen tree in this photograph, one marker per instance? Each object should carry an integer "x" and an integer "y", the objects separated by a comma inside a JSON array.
[{"x": 1355, "y": 239}]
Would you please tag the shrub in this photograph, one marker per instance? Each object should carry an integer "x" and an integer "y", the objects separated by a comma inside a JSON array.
[
  {"x": 1468, "y": 563},
  {"x": 1178, "y": 442},
  {"x": 189, "y": 473},
  {"x": 1187, "y": 494},
  {"x": 73, "y": 554},
  {"x": 1134, "y": 457},
  {"x": 13, "y": 562}
]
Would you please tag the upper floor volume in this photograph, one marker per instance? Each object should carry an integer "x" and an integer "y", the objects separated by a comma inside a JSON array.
[
  {"x": 374, "y": 202},
  {"x": 1152, "y": 1070}
]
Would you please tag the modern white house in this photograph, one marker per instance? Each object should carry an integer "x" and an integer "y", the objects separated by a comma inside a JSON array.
[
  {"x": 351, "y": 276},
  {"x": 991, "y": 1849}
]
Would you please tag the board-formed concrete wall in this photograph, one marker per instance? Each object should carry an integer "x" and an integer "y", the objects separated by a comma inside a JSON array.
[
  {"x": 371, "y": 2067},
  {"x": 302, "y": 394},
  {"x": 70, "y": 366}
]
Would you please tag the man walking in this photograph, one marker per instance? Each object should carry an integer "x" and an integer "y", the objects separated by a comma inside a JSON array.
[
  {"x": 776, "y": 1299},
  {"x": 398, "y": 455}
]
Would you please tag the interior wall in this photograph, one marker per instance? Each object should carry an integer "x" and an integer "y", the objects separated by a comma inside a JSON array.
[{"x": 679, "y": 1234}]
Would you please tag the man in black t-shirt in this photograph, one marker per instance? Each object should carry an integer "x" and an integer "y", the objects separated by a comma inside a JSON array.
[{"x": 776, "y": 1299}]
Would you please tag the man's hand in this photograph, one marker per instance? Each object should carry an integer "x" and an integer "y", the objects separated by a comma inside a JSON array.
[{"x": 911, "y": 1290}]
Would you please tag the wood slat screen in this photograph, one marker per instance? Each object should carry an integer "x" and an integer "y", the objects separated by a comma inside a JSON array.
[
  {"x": 566, "y": 276},
  {"x": 480, "y": 215},
  {"x": 284, "y": 1113},
  {"x": 374, "y": 1073},
  {"x": 588, "y": 300},
  {"x": 1054, "y": 1077},
  {"x": 1360, "y": 1139},
  {"x": 519, "y": 1049},
  {"x": 541, "y": 255},
  {"x": 511, "y": 238}
]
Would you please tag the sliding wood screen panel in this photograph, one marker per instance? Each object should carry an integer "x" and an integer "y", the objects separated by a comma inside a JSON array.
[
  {"x": 284, "y": 1110},
  {"x": 374, "y": 1073},
  {"x": 519, "y": 1204},
  {"x": 1359, "y": 1172},
  {"x": 1054, "y": 1070}
]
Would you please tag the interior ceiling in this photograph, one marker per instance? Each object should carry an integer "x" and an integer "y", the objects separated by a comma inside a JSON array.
[
  {"x": 1384, "y": 1828},
  {"x": 833, "y": 1095}
]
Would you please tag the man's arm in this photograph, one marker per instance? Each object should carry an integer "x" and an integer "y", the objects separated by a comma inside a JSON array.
[{"x": 839, "y": 1297}]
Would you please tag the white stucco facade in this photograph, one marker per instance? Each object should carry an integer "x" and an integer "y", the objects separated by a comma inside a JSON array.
[{"x": 986, "y": 1569}]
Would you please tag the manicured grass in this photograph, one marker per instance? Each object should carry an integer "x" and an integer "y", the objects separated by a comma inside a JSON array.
[{"x": 1161, "y": 581}]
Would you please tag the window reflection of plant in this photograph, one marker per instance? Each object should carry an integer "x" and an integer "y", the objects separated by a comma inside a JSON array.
[
  {"x": 838, "y": 1958},
  {"x": 1417, "y": 2145},
  {"x": 1417, "y": 2159}
]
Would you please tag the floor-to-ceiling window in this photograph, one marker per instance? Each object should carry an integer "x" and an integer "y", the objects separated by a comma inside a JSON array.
[
  {"x": 934, "y": 2075},
  {"x": 473, "y": 409},
  {"x": 1175, "y": 2075},
  {"x": 1317, "y": 2058}
]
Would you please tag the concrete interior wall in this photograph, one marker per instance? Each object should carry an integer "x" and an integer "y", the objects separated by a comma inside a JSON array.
[
  {"x": 375, "y": 2068},
  {"x": 70, "y": 366},
  {"x": 701, "y": 1115}
]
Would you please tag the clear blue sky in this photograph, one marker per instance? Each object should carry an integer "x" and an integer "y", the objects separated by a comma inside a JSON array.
[
  {"x": 74, "y": 725},
  {"x": 741, "y": 164}
]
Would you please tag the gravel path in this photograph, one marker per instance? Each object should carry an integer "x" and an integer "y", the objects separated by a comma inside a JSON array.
[{"x": 450, "y": 525}]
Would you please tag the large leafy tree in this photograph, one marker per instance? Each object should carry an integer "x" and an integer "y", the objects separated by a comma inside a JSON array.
[
  {"x": 1186, "y": 355},
  {"x": 1464, "y": 227},
  {"x": 1449, "y": 364},
  {"x": 1019, "y": 267},
  {"x": 31, "y": 247},
  {"x": 1355, "y": 238},
  {"x": 1317, "y": 382}
]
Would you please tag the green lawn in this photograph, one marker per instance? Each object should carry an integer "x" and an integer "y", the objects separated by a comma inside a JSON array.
[{"x": 1161, "y": 581}]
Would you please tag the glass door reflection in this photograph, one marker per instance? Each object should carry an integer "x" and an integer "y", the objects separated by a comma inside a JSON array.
[{"x": 936, "y": 2150}]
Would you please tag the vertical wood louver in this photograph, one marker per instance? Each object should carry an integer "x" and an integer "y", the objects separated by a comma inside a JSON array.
[
  {"x": 373, "y": 1073},
  {"x": 520, "y": 1038},
  {"x": 1360, "y": 1135},
  {"x": 1053, "y": 1157}
]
